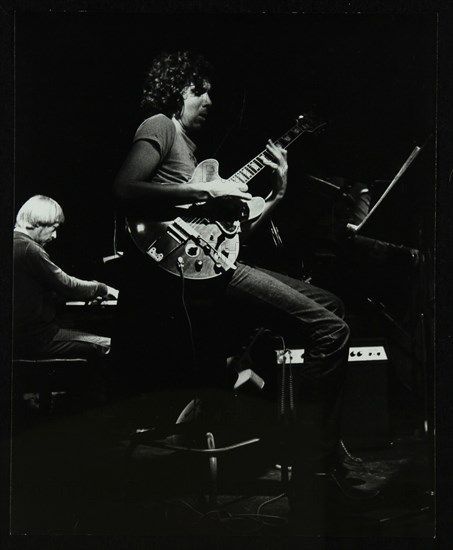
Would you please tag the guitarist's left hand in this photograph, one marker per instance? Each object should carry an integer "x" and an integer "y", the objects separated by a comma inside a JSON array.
[
  {"x": 279, "y": 165},
  {"x": 277, "y": 162}
]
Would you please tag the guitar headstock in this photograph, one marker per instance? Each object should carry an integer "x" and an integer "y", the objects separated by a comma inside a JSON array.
[{"x": 309, "y": 122}]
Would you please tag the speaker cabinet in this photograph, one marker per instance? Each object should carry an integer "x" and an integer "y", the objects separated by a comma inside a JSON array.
[
  {"x": 365, "y": 417},
  {"x": 365, "y": 420}
]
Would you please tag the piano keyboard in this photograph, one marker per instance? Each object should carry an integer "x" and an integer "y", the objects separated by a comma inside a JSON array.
[
  {"x": 356, "y": 354},
  {"x": 103, "y": 303}
]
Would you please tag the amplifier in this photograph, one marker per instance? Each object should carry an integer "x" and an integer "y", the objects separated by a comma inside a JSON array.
[
  {"x": 365, "y": 416},
  {"x": 356, "y": 354}
]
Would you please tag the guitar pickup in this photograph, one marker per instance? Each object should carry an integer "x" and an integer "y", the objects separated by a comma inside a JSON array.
[
  {"x": 224, "y": 261},
  {"x": 176, "y": 232}
]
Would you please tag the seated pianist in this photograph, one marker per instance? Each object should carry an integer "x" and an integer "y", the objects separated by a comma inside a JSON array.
[{"x": 38, "y": 283}]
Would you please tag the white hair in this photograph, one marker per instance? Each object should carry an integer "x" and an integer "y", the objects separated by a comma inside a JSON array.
[{"x": 39, "y": 211}]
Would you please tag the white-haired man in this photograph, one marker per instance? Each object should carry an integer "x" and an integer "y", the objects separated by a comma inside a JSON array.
[{"x": 38, "y": 283}]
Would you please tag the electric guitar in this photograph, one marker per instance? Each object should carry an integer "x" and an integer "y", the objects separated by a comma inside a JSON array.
[{"x": 199, "y": 244}]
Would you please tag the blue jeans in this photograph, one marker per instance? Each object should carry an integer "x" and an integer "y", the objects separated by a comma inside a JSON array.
[
  {"x": 316, "y": 315},
  {"x": 150, "y": 318},
  {"x": 315, "y": 319}
]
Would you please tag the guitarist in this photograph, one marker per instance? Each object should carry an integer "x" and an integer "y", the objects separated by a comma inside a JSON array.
[{"x": 156, "y": 176}]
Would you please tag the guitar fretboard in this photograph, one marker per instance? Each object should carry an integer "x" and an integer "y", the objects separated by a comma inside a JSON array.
[{"x": 252, "y": 168}]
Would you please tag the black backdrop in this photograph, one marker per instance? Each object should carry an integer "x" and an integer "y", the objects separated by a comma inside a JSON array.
[
  {"x": 380, "y": 74},
  {"x": 372, "y": 77}
]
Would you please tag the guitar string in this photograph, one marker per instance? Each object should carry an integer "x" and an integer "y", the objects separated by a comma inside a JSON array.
[{"x": 258, "y": 160}]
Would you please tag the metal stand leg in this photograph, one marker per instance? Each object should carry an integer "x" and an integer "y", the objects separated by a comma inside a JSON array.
[{"x": 213, "y": 469}]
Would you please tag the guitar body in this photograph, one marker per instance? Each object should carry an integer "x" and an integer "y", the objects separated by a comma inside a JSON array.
[
  {"x": 163, "y": 243},
  {"x": 201, "y": 247}
]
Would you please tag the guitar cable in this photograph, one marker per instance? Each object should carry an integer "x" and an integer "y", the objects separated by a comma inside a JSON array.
[
  {"x": 232, "y": 521},
  {"x": 180, "y": 266},
  {"x": 115, "y": 233}
]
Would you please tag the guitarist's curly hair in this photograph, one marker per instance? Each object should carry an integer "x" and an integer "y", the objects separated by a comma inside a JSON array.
[{"x": 165, "y": 81}]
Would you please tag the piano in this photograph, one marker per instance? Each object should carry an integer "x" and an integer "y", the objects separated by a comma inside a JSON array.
[
  {"x": 97, "y": 317},
  {"x": 103, "y": 303}
]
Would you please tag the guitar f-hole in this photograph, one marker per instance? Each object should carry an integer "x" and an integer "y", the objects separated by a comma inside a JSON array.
[{"x": 192, "y": 250}]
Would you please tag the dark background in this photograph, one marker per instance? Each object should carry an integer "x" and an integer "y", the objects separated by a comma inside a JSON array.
[
  {"x": 371, "y": 77},
  {"x": 77, "y": 87}
]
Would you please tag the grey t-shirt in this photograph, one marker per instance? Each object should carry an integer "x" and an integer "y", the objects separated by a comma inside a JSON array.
[{"x": 176, "y": 149}]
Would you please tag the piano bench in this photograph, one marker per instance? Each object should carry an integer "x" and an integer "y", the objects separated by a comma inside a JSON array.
[{"x": 46, "y": 377}]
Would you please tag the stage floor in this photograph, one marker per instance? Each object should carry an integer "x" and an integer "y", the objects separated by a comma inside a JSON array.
[{"x": 69, "y": 478}]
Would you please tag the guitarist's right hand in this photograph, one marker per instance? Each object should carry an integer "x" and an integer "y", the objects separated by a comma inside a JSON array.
[{"x": 221, "y": 188}]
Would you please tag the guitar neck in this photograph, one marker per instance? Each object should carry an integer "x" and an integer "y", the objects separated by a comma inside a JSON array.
[{"x": 254, "y": 167}]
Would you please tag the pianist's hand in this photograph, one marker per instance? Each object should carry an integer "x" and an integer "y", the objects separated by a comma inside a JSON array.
[{"x": 112, "y": 293}]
